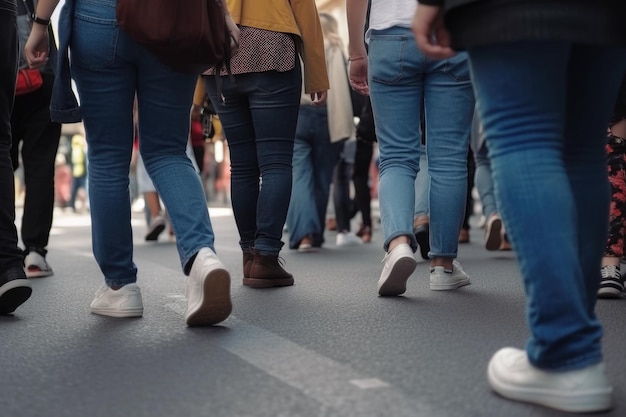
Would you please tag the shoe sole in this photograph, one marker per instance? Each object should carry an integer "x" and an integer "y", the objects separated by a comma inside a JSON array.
[
  {"x": 423, "y": 240},
  {"x": 14, "y": 294},
  {"x": 154, "y": 234},
  {"x": 267, "y": 282},
  {"x": 38, "y": 273},
  {"x": 494, "y": 237},
  {"x": 609, "y": 293},
  {"x": 117, "y": 313},
  {"x": 450, "y": 286},
  {"x": 576, "y": 401},
  {"x": 308, "y": 249},
  {"x": 395, "y": 284},
  {"x": 215, "y": 304}
]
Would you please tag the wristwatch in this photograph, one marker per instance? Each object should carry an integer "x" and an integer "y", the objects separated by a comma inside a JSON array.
[{"x": 39, "y": 20}]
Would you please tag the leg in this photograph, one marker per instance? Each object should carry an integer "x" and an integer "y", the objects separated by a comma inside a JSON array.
[
  {"x": 302, "y": 219},
  {"x": 447, "y": 86},
  {"x": 14, "y": 287},
  {"x": 395, "y": 79},
  {"x": 396, "y": 102},
  {"x": 325, "y": 157},
  {"x": 166, "y": 95},
  {"x": 545, "y": 202},
  {"x": 362, "y": 191},
  {"x": 612, "y": 285},
  {"x": 40, "y": 140},
  {"x": 104, "y": 94}
]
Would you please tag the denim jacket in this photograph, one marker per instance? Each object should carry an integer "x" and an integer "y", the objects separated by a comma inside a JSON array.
[{"x": 64, "y": 107}]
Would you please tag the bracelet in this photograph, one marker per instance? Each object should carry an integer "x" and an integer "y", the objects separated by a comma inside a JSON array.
[
  {"x": 39, "y": 20},
  {"x": 350, "y": 59}
]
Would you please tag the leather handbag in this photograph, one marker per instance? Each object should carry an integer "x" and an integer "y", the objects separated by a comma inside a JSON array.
[{"x": 188, "y": 36}]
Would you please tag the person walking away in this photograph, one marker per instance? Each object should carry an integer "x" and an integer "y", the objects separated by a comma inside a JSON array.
[
  {"x": 107, "y": 88},
  {"x": 546, "y": 76},
  {"x": 36, "y": 138},
  {"x": 320, "y": 135},
  {"x": 15, "y": 288},
  {"x": 399, "y": 78},
  {"x": 258, "y": 108}
]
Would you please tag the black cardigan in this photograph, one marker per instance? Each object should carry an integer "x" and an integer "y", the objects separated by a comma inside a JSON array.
[{"x": 479, "y": 22}]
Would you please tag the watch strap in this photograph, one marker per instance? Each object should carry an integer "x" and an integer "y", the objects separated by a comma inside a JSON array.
[{"x": 39, "y": 20}]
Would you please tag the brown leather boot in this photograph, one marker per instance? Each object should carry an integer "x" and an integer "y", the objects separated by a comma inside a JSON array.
[
  {"x": 266, "y": 272},
  {"x": 248, "y": 256}
]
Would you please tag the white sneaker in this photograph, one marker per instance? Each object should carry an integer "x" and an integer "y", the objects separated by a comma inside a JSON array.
[
  {"x": 36, "y": 266},
  {"x": 442, "y": 279},
  {"x": 348, "y": 239},
  {"x": 580, "y": 391},
  {"x": 125, "y": 302},
  {"x": 157, "y": 225},
  {"x": 399, "y": 264},
  {"x": 208, "y": 290}
]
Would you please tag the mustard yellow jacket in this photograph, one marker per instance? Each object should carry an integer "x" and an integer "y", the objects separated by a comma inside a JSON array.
[{"x": 298, "y": 17}]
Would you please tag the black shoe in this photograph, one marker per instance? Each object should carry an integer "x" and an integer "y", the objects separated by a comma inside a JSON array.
[
  {"x": 422, "y": 236},
  {"x": 612, "y": 284},
  {"x": 14, "y": 289}
]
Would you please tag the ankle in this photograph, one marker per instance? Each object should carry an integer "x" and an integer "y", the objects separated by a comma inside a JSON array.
[
  {"x": 398, "y": 241},
  {"x": 442, "y": 261}
]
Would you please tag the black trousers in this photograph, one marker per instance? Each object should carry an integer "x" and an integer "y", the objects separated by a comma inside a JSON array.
[
  {"x": 360, "y": 178},
  {"x": 38, "y": 139},
  {"x": 10, "y": 254}
]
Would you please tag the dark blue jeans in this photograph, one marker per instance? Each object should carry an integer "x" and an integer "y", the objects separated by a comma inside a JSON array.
[
  {"x": 10, "y": 254},
  {"x": 545, "y": 107},
  {"x": 259, "y": 113}
]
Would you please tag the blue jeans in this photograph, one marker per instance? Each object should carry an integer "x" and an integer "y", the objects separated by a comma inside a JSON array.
[
  {"x": 259, "y": 114},
  {"x": 109, "y": 68},
  {"x": 545, "y": 108},
  {"x": 314, "y": 158},
  {"x": 400, "y": 77}
]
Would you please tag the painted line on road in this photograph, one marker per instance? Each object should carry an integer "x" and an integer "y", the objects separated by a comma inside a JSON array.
[{"x": 337, "y": 387}]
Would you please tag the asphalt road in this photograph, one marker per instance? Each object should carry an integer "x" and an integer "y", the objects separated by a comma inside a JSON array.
[{"x": 328, "y": 346}]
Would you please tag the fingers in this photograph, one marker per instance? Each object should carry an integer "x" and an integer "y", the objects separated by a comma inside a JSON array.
[
  {"x": 36, "y": 61},
  {"x": 319, "y": 98},
  {"x": 360, "y": 86}
]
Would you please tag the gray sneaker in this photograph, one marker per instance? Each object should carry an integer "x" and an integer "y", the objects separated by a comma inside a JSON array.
[{"x": 442, "y": 279}]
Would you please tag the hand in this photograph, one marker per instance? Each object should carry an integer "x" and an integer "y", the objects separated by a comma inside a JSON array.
[
  {"x": 358, "y": 76},
  {"x": 196, "y": 112},
  {"x": 37, "y": 47},
  {"x": 319, "y": 98},
  {"x": 430, "y": 33}
]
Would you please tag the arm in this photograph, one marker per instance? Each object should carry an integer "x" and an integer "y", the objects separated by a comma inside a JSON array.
[
  {"x": 37, "y": 47},
  {"x": 315, "y": 74},
  {"x": 356, "y": 11},
  {"x": 233, "y": 29}
]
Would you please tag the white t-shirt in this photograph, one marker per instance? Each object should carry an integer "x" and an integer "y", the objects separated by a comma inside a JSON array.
[{"x": 388, "y": 13}]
